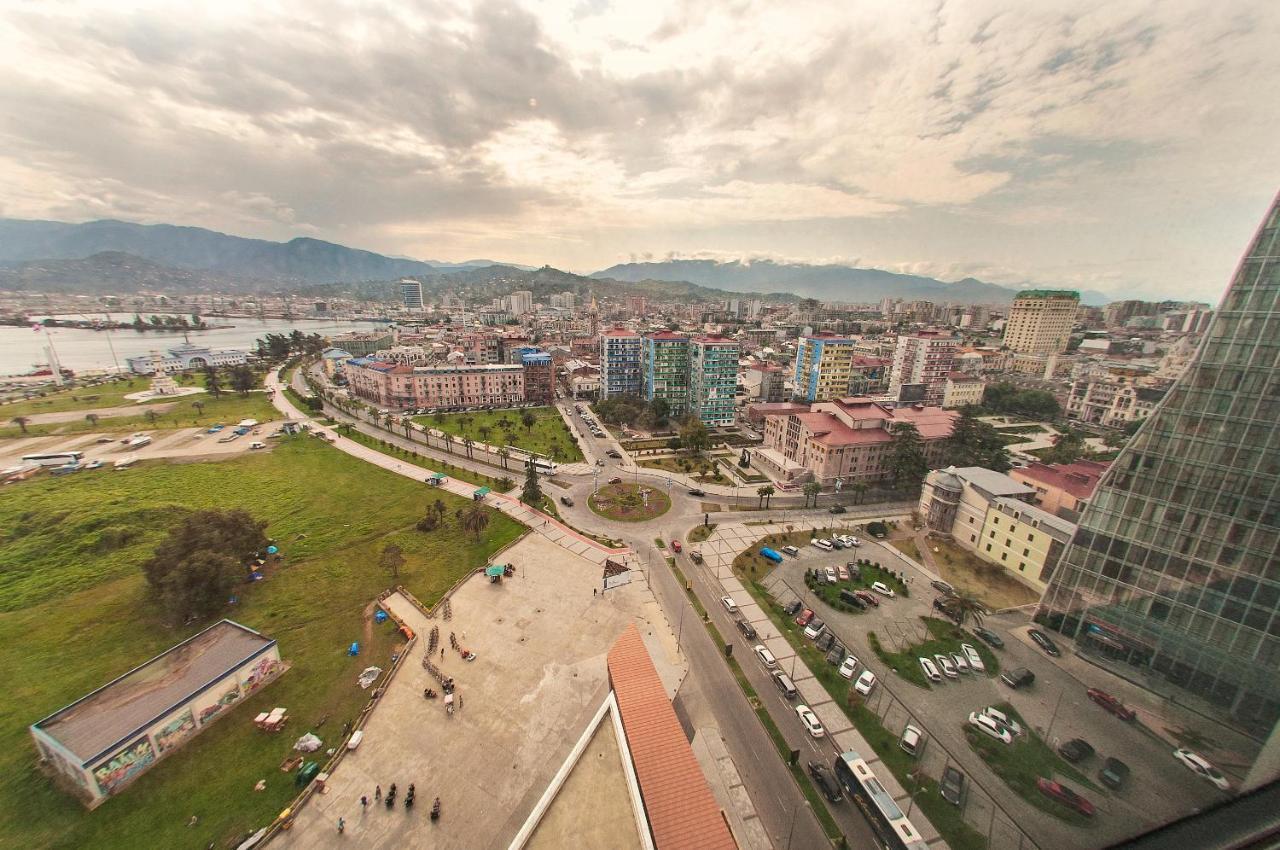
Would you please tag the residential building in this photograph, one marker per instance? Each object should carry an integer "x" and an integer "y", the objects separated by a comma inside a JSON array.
[
  {"x": 713, "y": 379},
  {"x": 1040, "y": 321},
  {"x": 765, "y": 382},
  {"x": 961, "y": 389},
  {"x": 666, "y": 370},
  {"x": 364, "y": 344},
  {"x": 186, "y": 356},
  {"x": 1172, "y": 577},
  {"x": 846, "y": 441},
  {"x": 564, "y": 301},
  {"x": 520, "y": 303},
  {"x": 868, "y": 375},
  {"x": 637, "y": 306},
  {"x": 98, "y": 745},
  {"x": 539, "y": 377},
  {"x": 411, "y": 294},
  {"x": 331, "y": 360},
  {"x": 398, "y": 386},
  {"x": 1061, "y": 488},
  {"x": 1113, "y": 403},
  {"x": 921, "y": 363},
  {"x": 621, "y": 363},
  {"x": 823, "y": 366}
]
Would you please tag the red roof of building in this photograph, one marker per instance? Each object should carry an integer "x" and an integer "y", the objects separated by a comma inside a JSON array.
[
  {"x": 681, "y": 810},
  {"x": 619, "y": 332},
  {"x": 667, "y": 335},
  {"x": 933, "y": 423},
  {"x": 1079, "y": 479}
]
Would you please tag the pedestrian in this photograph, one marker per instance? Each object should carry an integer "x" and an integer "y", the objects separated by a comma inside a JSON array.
[
  {"x": 194, "y": 820},
  {"x": 342, "y": 825},
  {"x": 459, "y": 700},
  {"x": 377, "y": 793},
  {"x": 364, "y": 802},
  {"x": 593, "y": 591},
  {"x": 442, "y": 653}
]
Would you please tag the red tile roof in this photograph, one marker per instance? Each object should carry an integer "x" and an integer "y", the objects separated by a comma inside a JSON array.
[
  {"x": 1079, "y": 478},
  {"x": 667, "y": 335},
  {"x": 619, "y": 332},
  {"x": 681, "y": 810}
]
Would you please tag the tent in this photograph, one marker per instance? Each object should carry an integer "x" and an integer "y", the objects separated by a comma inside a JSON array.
[
  {"x": 493, "y": 570},
  {"x": 480, "y": 494}
]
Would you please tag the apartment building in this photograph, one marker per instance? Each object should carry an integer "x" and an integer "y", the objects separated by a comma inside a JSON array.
[
  {"x": 539, "y": 377},
  {"x": 824, "y": 364},
  {"x": 713, "y": 380},
  {"x": 961, "y": 389},
  {"x": 621, "y": 363},
  {"x": 411, "y": 294},
  {"x": 1061, "y": 488},
  {"x": 666, "y": 370},
  {"x": 393, "y": 385},
  {"x": 921, "y": 363},
  {"x": 765, "y": 383},
  {"x": 1040, "y": 321}
]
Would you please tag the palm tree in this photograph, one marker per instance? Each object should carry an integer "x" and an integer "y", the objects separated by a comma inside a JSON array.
[
  {"x": 859, "y": 489},
  {"x": 92, "y": 419},
  {"x": 811, "y": 491},
  {"x": 199, "y": 406},
  {"x": 766, "y": 494},
  {"x": 475, "y": 519},
  {"x": 528, "y": 420},
  {"x": 346, "y": 428},
  {"x": 448, "y": 442},
  {"x": 467, "y": 443},
  {"x": 964, "y": 607},
  {"x": 503, "y": 454},
  {"x": 407, "y": 424},
  {"x": 388, "y": 421},
  {"x": 485, "y": 431},
  {"x": 152, "y": 416},
  {"x": 504, "y": 423},
  {"x": 439, "y": 508},
  {"x": 21, "y": 422}
]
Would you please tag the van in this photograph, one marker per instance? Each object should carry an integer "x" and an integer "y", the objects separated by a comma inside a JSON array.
[
  {"x": 771, "y": 555},
  {"x": 1017, "y": 678},
  {"x": 765, "y": 656},
  {"x": 785, "y": 685}
]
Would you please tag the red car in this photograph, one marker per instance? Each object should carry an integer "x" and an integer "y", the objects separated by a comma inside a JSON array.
[
  {"x": 1065, "y": 796},
  {"x": 805, "y": 616},
  {"x": 675, "y": 546},
  {"x": 869, "y": 598},
  {"x": 1111, "y": 704}
]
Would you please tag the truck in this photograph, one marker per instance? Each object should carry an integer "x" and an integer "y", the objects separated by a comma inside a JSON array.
[{"x": 771, "y": 555}]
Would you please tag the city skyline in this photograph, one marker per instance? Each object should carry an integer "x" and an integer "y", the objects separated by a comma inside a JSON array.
[{"x": 1078, "y": 149}]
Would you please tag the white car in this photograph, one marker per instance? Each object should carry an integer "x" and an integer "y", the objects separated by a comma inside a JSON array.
[
  {"x": 989, "y": 727},
  {"x": 911, "y": 741},
  {"x": 882, "y": 589},
  {"x": 1197, "y": 764},
  {"x": 865, "y": 682},
  {"x": 962, "y": 663},
  {"x": 831, "y": 575},
  {"x": 815, "y": 628},
  {"x": 1003, "y": 719},
  {"x": 824, "y": 545},
  {"x": 930, "y": 671},
  {"x": 852, "y": 542},
  {"x": 849, "y": 665},
  {"x": 765, "y": 656},
  {"x": 791, "y": 550},
  {"x": 975, "y": 660},
  {"x": 729, "y": 604},
  {"x": 810, "y": 721},
  {"x": 944, "y": 664}
]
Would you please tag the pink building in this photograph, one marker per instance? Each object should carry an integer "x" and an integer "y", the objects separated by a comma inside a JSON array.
[
  {"x": 848, "y": 439},
  {"x": 1061, "y": 488},
  {"x": 397, "y": 386}
]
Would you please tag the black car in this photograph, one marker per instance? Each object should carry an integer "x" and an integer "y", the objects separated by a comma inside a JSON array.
[
  {"x": 825, "y": 781},
  {"x": 1077, "y": 749},
  {"x": 943, "y": 587},
  {"x": 567, "y": 501},
  {"x": 847, "y": 597},
  {"x": 792, "y": 608},
  {"x": 989, "y": 637},
  {"x": 696, "y": 492},
  {"x": 1017, "y": 678},
  {"x": 1042, "y": 640},
  {"x": 942, "y": 606},
  {"x": 836, "y": 509},
  {"x": 1114, "y": 773},
  {"x": 825, "y": 640},
  {"x": 951, "y": 786},
  {"x": 836, "y": 656},
  {"x": 614, "y": 453},
  {"x": 748, "y": 630}
]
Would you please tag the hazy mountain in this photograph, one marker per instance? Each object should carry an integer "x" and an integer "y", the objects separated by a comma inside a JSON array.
[
  {"x": 829, "y": 282},
  {"x": 112, "y": 272}
]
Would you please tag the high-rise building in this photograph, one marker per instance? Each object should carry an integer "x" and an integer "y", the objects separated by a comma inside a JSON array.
[
  {"x": 921, "y": 363},
  {"x": 621, "y": 369},
  {"x": 1174, "y": 576},
  {"x": 411, "y": 293},
  {"x": 637, "y": 306},
  {"x": 666, "y": 370},
  {"x": 824, "y": 363},
  {"x": 520, "y": 303},
  {"x": 1040, "y": 321},
  {"x": 713, "y": 379}
]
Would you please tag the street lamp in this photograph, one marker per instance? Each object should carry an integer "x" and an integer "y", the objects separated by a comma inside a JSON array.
[{"x": 792, "y": 830}]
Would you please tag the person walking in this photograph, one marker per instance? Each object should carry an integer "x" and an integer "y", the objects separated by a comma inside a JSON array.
[
  {"x": 364, "y": 802},
  {"x": 342, "y": 825},
  {"x": 377, "y": 794}
]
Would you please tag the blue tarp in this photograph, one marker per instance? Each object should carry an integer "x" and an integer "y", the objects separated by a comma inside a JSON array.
[
  {"x": 380, "y": 616},
  {"x": 354, "y": 650}
]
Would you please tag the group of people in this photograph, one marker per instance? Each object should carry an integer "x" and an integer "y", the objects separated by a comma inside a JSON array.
[{"x": 390, "y": 801}]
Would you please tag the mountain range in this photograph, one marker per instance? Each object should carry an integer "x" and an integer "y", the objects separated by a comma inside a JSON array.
[{"x": 118, "y": 256}]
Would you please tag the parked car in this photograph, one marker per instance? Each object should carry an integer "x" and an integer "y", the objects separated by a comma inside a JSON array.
[
  {"x": 962, "y": 663},
  {"x": 944, "y": 664},
  {"x": 882, "y": 589},
  {"x": 814, "y": 628},
  {"x": 805, "y": 616},
  {"x": 943, "y": 587},
  {"x": 766, "y": 657},
  {"x": 825, "y": 782},
  {"x": 848, "y": 597},
  {"x": 830, "y": 573},
  {"x": 1110, "y": 703},
  {"x": 989, "y": 637},
  {"x": 257, "y": 445},
  {"x": 1114, "y": 773},
  {"x": 567, "y": 501},
  {"x": 696, "y": 492},
  {"x": 836, "y": 655},
  {"x": 836, "y": 542},
  {"x": 836, "y": 509},
  {"x": 1003, "y": 719},
  {"x": 851, "y": 541},
  {"x": 912, "y": 741},
  {"x": 951, "y": 785},
  {"x": 975, "y": 660},
  {"x": 615, "y": 480},
  {"x": 785, "y": 685},
  {"x": 868, "y": 598},
  {"x": 729, "y": 604},
  {"x": 842, "y": 572},
  {"x": 676, "y": 547},
  {"x": 810, "y": 721},
  {"x": 930, "y": 671},
  {"x": 1077, "y": 749},
  {"x": 1042, "y": 640},
  {"x": 865, "y": 682},
  {"x": 748, "y": 630},
  {"x": 1065, "y": 796},
  {"x": 990, "y": 728},
  {"x": 791, "y": 550},
  {"x": 93, "y": 464},
  {"x": 820, "y": 543},
  {"x": 1200, "y": 766},
  {"x": 791, "y": 607},
  {"x": 849, "y": 667},
  {"x": 825, "y": 640},
  {"x": 1018, "y": 677}
]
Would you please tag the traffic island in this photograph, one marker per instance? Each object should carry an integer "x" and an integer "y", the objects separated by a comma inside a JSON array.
[{"x": 629, "y": 502}]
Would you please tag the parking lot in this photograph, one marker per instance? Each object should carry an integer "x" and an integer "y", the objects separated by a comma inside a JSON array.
[
  {"x": 181, "y": 443},
  {"x": 1158, "y": 789}
]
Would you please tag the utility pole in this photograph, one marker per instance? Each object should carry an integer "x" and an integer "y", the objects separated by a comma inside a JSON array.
[{"x": 1049, "y": 730}]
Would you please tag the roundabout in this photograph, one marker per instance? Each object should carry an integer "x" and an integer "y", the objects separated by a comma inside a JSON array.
[{"x": 629, "y": 502}]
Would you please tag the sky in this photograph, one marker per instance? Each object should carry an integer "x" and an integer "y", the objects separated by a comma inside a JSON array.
[{"x": 1126, "y": 147}]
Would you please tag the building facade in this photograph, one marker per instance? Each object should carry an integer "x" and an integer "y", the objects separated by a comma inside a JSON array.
[
  {"x": 921, "y": 363},
  {"x": 823, "y": 367},
  {"x": 392, "y": 385},
  {"x": 186, "y": 356},
  {"x": 713, "y": 380},
  {"x": 411, "y": 294},
  {"x": 962, "y": 389},
  {"x": 539, "y": 377},
  {"x": 364, "y": 344},
  {"x": 1173, "y": 571},
  {"x": 621, "y": 363},
  {"x": 1040, "y": 321},
  {"x": 1061, "y": 488},
  {"x": 666, "y": 370},
  {"x": 765, "y": 382},
  {"x": 1112, "y": 403}
]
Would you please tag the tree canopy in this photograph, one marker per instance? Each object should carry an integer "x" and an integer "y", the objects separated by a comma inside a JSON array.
[
  {"x": 974, "y": 443},
  {"x": 532, "y": 492},
  {"x": 693, "y": 435},
  {"x": 1010, "y": 400},
  {"x": 907, "y": 463},
  {"x": 195, "y": 568}
]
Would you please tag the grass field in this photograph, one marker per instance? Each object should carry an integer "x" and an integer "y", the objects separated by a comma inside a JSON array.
[
  {"x": 430, "y": 463},
  {"x": 689, "y": 466},
  {"x": 941, "y": 636},
  {"x": 625, "y": 502},
  {"x": 80, "y": 398},
  {"x": 75, "y": 613},
  {"x": 549, "y": 435}
]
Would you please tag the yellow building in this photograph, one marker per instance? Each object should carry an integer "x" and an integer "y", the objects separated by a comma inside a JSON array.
[
  {"x": 1024, "y": 539},
  {"x": 1040, "y": 321}
]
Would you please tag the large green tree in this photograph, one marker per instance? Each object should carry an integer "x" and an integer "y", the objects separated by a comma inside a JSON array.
[
  {"x": 532, "y": 492},
  {"x": 907, "y": 463},
  {"x": 974, "y": 443},
  {"x": 195, "y": 567},
  {"x": 693, "y": 435}
]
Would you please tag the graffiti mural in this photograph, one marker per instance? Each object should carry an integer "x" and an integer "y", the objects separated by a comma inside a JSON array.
[
  {"x": 116, "y": 771},
  {"x": 229, "y": 697},
  {"x": 175, "y": 731},
  {"x": 260, "y": 674}
]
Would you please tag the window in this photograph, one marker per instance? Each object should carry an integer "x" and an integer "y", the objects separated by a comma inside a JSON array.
[
  {"x": 1004, "y": 556},
  {"x": 1031, "y": 538},
  {"x": 988, "y": 547},
  {"x": 1026, "y": 552}
]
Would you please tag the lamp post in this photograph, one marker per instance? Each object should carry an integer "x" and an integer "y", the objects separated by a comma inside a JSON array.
[{"x": 791, "y": 831}]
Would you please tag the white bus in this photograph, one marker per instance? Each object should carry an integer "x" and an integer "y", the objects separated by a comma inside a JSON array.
[
  {"x": 543, "y": 466},
  {"x": 54, "y": 458},
  {"x": 138, "y": 442},
  {"x": 887, "y": 820}
]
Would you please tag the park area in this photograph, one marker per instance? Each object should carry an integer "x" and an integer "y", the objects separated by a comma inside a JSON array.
[
  {"x": 544, "y": 433},
  {"x": 629, "y": 502},
  {"x": 989, "y": 583},
  {"x": 75, "y": 612}
]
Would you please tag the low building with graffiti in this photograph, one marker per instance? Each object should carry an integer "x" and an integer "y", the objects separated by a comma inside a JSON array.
[{"x": 99, "y": 744}]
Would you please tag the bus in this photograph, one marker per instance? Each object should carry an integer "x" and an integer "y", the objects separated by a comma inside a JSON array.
[
  {"x": 887, "y": 820},
  {"x": 543, "y": 466},
  {"x": 54, "y": 458}
]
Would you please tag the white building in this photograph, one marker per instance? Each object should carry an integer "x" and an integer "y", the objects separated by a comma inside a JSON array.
[
  {"x": 184, "y": 357},
  {"x": 962, "y": 389},
  {"x": 520, "y": 303},
  {"x": 411, "y": 294}
]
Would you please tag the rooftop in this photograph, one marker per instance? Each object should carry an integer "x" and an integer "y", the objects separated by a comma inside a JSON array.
[
  {"x": 1079, "y": 478},
  {"x": 94, "y": 724},
  {"x": 991, "y": 482},
  {"x": 668, "y": 336},
  {"x": 1051, "y": 523},
  {"x": 1048, "y": 293}
]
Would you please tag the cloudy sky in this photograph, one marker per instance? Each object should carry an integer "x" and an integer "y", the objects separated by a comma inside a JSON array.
[{"x": 1128, "y": 147}]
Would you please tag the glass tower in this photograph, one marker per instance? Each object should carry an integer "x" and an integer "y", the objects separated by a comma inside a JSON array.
[{"x": 1173, "y": 577}]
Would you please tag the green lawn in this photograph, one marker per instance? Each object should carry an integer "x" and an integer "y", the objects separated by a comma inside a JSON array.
[
  {"x": 79, "y": 398},
  {"x": 549, "y": 436},
  {"x": 625, "y": 502},
  {"x": 942, "y": 636},
  {"x": 425, "y": 462},
  {"x": 75, "y": 612},
  {"x": 689, "y": 466}
]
